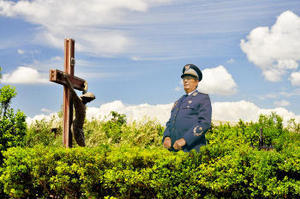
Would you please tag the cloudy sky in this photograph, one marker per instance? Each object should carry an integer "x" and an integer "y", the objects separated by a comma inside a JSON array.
[{"x": 132, "y": 52}]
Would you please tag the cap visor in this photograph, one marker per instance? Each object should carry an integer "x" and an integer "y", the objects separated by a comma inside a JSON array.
[{"x": 184, "y": 75}]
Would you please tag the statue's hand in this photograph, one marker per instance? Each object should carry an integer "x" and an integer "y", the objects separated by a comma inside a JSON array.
[
  {"x": 179, "y": 144},
  {"x": 167, "y": 142}
]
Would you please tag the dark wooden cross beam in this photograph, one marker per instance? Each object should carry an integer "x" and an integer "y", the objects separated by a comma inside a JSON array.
[{"x": 78, "y": 83}]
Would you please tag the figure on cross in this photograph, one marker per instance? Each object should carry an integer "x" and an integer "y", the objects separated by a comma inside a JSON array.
[
  {"x": 80, "y": 111},
  {"x": 70, "y": 83}
]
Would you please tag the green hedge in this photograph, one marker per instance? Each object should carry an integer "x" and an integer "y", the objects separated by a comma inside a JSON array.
[
  {"x": 134, "y": 172},
  {"x": 249, "y": 160}
]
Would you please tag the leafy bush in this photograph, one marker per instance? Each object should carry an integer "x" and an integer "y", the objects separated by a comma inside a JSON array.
[
  {"x": 134, "y": 172},
  {"x": 46, "y": 133},
  {"x": 12, "y": 125},
  {"x": 117, "y": 132},
  {"x": 122, "y": 160}
]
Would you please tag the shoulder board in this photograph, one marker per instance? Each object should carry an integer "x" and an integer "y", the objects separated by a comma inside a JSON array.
[{"x": 202, "y": 93}]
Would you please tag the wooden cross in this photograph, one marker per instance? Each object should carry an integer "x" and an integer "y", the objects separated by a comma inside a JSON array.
[{"x": 78, "y": 83}]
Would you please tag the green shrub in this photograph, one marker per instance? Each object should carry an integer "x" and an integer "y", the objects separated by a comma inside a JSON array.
[
  {"x": 117, "y": 132},
  {"x": 127, "y": 160},
  {"x": 135, "y": 172},
  {"x": 12, "y": 125},
  {"x": 46, "y": 133}
]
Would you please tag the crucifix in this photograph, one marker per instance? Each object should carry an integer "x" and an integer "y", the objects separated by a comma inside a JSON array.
[{"x": 57, "y": 76}]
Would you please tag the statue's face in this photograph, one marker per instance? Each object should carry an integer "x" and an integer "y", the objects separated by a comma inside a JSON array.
[{"x": 189, "y": 83}]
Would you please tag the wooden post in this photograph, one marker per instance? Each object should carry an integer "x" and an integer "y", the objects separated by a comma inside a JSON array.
[
  {"x": 67, "y": 102},
  {"x": 57, "y": 76}
]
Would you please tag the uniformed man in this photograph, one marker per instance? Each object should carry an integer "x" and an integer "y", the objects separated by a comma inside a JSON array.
[{"x": 190, "y": 115}]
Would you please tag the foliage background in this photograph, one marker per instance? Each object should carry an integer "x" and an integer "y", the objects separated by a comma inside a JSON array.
[{"x": 122, "y": 160}]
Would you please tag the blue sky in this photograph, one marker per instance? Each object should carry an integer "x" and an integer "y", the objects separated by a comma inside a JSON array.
[{"x": 134, "y": 51}]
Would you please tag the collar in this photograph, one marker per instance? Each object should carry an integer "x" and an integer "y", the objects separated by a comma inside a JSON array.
[{"x": 192, "y": 92}]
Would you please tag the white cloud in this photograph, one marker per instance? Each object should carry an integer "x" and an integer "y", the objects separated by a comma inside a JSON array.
[
  {"x": 217, "y": 81},
  {"x": 275, "y": 50},
  {"x": 135, "y": 58},
  {"x": 87, "y": 21},
  {"x": 20, "y": 51},
  {"x": 43, "y": 66},
  {"x": 221, "y": 111},
  {"x": 233, "y": 111},
  {"x": 24, "y": 75},
  {"x": 295, "y": 92},
  {"x": 38, "y": 71},
  {"x": 247, "y": 111},
  {"x": 281, "y": 94},
  {"x": 159, "y": 58},
  {"x": 178, "y": 88},
  {"x": 50, "y": 117},
  {"x": 269, "y": 96},
  {"x": 282, "y": 103},
  {"x": 88, "y": 40},
  {"x": 57, "y": 58},
  {"x": 284, "y": 113},
  {"x": 230, "y": 61},
  {"x": 45, "y": 110},
  {"x": 295, "y": 78},
  {"x": 160, "y": 112},
  {"x": 96, "y": 75}
]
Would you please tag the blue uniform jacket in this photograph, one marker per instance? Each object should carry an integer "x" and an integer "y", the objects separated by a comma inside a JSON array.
[{"x": 190, "y": 119}]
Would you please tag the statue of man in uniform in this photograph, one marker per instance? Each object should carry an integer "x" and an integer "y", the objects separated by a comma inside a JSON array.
[{"x": 190, "y": 116}]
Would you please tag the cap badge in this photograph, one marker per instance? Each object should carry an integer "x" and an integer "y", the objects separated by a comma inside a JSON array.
[{"x": 187, "y": 67}]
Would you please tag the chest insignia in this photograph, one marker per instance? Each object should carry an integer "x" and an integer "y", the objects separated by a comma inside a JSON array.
[{"x": 190, "y": 101}]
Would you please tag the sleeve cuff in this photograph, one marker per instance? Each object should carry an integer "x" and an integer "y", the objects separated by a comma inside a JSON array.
[{"x": 193, "y": 134}]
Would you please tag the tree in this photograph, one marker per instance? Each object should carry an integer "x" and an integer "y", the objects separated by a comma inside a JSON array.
[
  {"x": 12, "y": 125},
  {"x": 6, "y": 94}
]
